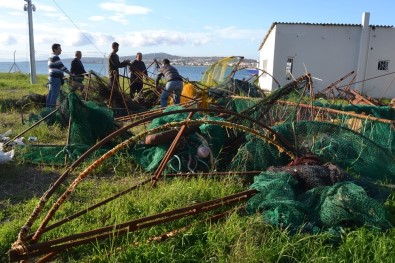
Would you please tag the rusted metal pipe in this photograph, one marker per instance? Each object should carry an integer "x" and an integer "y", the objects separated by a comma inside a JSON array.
[
  {"x": 131, "y": 226},
  {"x": 37, "y": 210},
  {"x": 169, "y": 152},
  {"x": 361, "y": 116},
  {"x": 103, "y": 202}
]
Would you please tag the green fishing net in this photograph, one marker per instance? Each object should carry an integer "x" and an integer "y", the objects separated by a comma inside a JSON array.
[
  {"x": 283, "y": 204},
  {"x": 89, "y": 124},
  {"x": 331, "y": 143},
  {"x": 185, "y": 157}
]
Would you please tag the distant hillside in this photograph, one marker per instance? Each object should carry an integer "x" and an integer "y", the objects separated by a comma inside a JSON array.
[
  {"x": 161, "y": 55},
  {"x": 149, "y": 57}
]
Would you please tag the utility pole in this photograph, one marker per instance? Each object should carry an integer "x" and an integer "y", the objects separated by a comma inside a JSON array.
[{"x": 29, "y": 7}]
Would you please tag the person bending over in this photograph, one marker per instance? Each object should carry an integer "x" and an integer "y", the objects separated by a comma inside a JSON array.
[{"x": 173, "y": 85}]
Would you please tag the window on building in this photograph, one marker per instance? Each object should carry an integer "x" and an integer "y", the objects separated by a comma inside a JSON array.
[
  {"x": 383, "y": 65},
  {"x": 289, "y": 67}
]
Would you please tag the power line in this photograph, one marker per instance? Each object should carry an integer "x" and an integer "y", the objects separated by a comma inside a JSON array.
[{"x": 93, "y": 44}]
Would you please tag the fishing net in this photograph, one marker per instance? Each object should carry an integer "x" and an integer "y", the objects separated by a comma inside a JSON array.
[
  {"x": 215, "y": 74},
  {"x": 330, "y": 142},
  {"x": 89, "y": 124},
  {"x": 381, "y": 132},
  {"x": 257, "y": 155},
  {"x": 235, "y": 95},
  {"x": 283, "y": 203},
  {"x": 186, "y": 157}
]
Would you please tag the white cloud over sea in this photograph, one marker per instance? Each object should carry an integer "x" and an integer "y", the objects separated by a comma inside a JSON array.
[{"x": 8, "y": 40}]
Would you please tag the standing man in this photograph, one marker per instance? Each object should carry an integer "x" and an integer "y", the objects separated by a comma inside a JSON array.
[
  {"x": 137, "y": 71},
  {"x": 77, "y": 68},
  {"x": 173, "y": 85},
  {"x": 113, "y": 65},
  {"x": 56, "y": 71}
]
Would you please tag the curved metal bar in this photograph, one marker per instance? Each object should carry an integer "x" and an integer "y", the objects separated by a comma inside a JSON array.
[
  {"x": 60, "y": 244},
  {"x": 37, "y": 210},
  {"x": 140, "y": 184},
  {"x": 125, "y": 143}
]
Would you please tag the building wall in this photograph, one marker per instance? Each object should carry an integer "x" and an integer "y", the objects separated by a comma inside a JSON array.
[
  {"x": 266, "y": 58},
  {"x": 329, "y": 52},
  {"x": 381, "y": 47}
]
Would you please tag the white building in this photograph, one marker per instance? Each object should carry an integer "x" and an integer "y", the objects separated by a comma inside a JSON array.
[{"x": 329, "y": 52}]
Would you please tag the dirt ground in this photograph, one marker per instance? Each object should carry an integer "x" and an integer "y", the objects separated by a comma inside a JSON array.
[{"x": 20, "y": 182}]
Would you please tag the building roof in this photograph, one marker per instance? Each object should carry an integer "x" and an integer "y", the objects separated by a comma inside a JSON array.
[{"x": 315, "y": 24}]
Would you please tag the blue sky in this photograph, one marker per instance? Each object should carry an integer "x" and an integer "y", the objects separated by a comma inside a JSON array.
[{"x": 177, "y": 27}]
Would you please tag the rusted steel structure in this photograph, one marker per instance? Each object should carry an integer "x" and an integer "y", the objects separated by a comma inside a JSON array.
[{"x": 28, "y": 243}]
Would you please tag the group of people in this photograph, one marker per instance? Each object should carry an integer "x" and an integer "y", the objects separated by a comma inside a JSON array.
[{"x": 137, "y": 71}]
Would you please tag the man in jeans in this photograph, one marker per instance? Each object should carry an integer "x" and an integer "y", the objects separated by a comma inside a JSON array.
[
  {"x": 173, "y": 85},
  {"x": 56, "y": 71}
]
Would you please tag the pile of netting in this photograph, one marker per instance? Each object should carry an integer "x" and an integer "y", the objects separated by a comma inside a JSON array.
[
  {"x": 330, "y": 142},
  {"x": 89, "y": 123},
  {"x": 382, "y": 133},
  {"x": 310, "y": 197},
  {"x": 195, "y": 152},
  {"x": 232, "y": 92},
  {"x": 313, "y": 196},
  {"x": 327, "y": 203}
]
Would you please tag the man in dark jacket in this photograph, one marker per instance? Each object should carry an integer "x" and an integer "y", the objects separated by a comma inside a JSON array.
[
  {"x": 138, "y": 72},
  {"x": 113, "y": 65},
  {"x": 173, "y": 85},
  {"x": 77, "y": 68}
]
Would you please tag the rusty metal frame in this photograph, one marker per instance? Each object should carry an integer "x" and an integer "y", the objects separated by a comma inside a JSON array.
[
  {"x": 57, "y": 245},
  {"x": 37, "y": 210},
  {"x": 19, "y": 245}
]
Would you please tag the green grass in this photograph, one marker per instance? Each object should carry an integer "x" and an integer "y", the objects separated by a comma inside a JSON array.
[
  {"x": 239, "y": 238},
  {"x": 13, "y": 86}
]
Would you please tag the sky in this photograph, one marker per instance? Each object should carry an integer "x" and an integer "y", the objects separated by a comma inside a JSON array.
[{"x": 177, "y": 27}]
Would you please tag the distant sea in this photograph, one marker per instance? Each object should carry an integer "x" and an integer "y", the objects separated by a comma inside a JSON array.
[{"x": 193, "y": 73}]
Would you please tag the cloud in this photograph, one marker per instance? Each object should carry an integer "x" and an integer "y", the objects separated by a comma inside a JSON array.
[
  {"x": 103, "y": 39},
  {"x": 45, "y": 8},
  {"x": 120, "y": 18},
  {"x": 57, "y": 16},
  {"x": 13, "y": 27},
  {"x": 16, "y": 13},
  {"x": 97, "y": 18},
  {"x": 121, "y": 7},
  {"x": 233, "y": 32},
  {"x": 164, "y": 37},
  {"x": 8, "y": 40},
  {"x": 76, "y": 38},
  {"x": 10, "y": 5}
]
